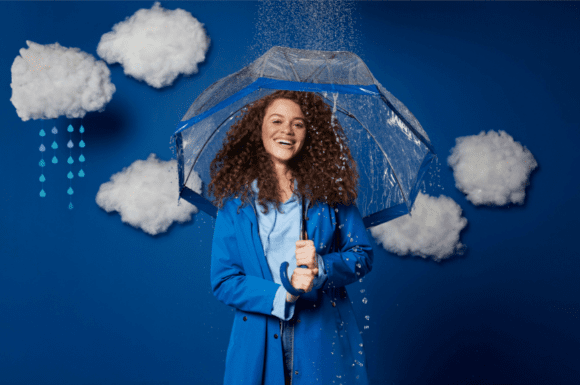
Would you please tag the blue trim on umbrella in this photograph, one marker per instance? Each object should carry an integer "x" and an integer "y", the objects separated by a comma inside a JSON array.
[
  {"x": 386, "y": 215},
  {"x": 197, "y": 200},
  {"x": 280, "y": 85}
]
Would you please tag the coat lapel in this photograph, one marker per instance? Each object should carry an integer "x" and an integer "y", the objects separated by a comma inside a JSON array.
[{"x": 251, "y": 238}]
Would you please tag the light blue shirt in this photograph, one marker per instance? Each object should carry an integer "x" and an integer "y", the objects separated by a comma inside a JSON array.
[{"x": 279, "y": 233}]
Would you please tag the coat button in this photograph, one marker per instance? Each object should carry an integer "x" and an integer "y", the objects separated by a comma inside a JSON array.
[
  {"x": 275, "y": 335},
  {"x": 245, "y": 318},
  {"x": 298, "y": 321}
]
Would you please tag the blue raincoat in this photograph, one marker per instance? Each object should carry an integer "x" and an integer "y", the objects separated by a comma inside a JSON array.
[{"x": 327, "y": 341}]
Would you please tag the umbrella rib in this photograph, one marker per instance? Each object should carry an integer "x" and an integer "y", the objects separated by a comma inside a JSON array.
[
  {"x": 347, "y": 113},
  {"x": 292, "y": 66},
  {"x": 205, "y": 144}
]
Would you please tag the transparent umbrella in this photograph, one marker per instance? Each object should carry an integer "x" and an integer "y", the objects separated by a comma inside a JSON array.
[{"x": 391, "y": 149}]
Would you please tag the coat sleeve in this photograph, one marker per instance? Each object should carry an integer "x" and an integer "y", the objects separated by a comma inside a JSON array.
[
  {"x": 354, "y": 258},
  {"x": 230, "y": 283}
]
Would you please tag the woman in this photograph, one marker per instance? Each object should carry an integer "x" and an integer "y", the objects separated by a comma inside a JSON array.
[{"x": 285, "y": 150}]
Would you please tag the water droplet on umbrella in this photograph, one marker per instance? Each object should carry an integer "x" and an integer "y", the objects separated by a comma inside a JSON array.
[
  {"x": 54, "y": 160},
  {"x": 81, "y": 173},
  {"x": 82, "y": 144},
  {"x": 365, "y": 300},
  {"x": 81, "y": 158},
  {"x": 54, "y": 130},
  {"x": 366, "y": 327},
  {"x": 70, "y": 144},
  {"x": 54, "y": 145},
  {"x": 70, "y": 128},
  {"x": 362, "y": 290},
  {"x": 360, "y": 352},
  {"x": 70, "y": 191},
  {"x": 42, "y": 194},
  {"x": 42, "y": 148},
  {"x": 361, "y": 345},
  {"x": 41, "y": 163},
  {"x": 82, "y": 129},
  {"x": 42, "y": 178},
  {"x": 70, "y": 160},
  {"x": 70, "y": 175},
  {"x": 367, "y": 318},
  {"x": 42, "y": 133}
]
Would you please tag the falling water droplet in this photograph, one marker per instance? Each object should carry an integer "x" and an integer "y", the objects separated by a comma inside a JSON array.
[
  {"x": 42, "y": 148},
  {"x": 366, "y": 327},
  {"x": 70, "y": 206},
  {"x": 54, "y": 160},
  {"x": 362, "y": 290},
  {"x": 81, "y": 158},
  {"x": 54, "y": 145},
  {"x": 367, "y": 317},
  {"x": 42, "y": 193},
  {"x": 70, "y": 128},
  {"x": 54, "y": 130},
  {"x": 365, "y": 300},
  {"x": 70, "y": 144},
  {"x": 82, "y": 144},
  {"x": 41, "y": 163},
  {"x": 70, "y": 191},
  {"x": 42, "y": 178},
  {"x": 81, "y": 173},
  {"x": 42, "y": 133},
  {"x": 82, "y": 129},
  {"x": 70, "y": 160},
  {"x": 70, "y": 175}
]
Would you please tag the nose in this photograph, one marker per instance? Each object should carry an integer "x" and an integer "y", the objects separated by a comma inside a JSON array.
[{"x": 288, "y": 128}]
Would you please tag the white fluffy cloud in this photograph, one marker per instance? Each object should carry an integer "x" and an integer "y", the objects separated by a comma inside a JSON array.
[
  {"x": 145, "y": 194},
  {"x": 156, "y": 45},
  {"x": 51, "y": 80},
  {"x": 432, "y": 229},
  {"x": 491, "y": 169}
]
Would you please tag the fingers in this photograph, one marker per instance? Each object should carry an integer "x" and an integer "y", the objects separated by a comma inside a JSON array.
[
  {"x": 306, "y": 254},
  {"x": 304, "y": 243},
  {"x": 303, "y": 279}
]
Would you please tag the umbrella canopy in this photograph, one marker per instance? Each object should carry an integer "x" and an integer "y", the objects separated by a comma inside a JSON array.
[{"x": 391, "y": 149}]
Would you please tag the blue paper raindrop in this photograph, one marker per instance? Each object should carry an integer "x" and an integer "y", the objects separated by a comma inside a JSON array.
[
  {"x": 70, "y": 191},
  {"x": 82, "y": 129},
  {"x": 54, "y": 160},
  {"x": 54, "y": 145},
  {"x": 81, "y": 158},
  {"x": 81, "y": 173},
  {"x": 42, "y": 133},
  {"x": 42, "y": 178},
  {"x": 70, "y": 206},
  {"x": 70, "y": 175},
  {"x": 70, "y": 128},
  {"x": 82, "y": 144},
  {"x": 41, "y": 163},
  {"x": 70, "y": 160},
  {"x": 42, "y": 193}
]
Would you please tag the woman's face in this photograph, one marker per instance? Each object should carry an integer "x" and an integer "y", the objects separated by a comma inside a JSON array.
[{"x": 283, "y": 130}]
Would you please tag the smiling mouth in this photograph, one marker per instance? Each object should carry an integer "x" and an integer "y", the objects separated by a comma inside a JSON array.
[{"x": 284, "y": 143}]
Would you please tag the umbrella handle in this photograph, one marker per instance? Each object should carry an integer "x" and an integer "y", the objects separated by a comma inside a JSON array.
[
  {"x": 286, "y": 282},
  {"x": 284, "y": 266}
]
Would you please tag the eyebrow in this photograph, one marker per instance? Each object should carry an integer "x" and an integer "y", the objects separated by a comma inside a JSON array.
[{"x": 297, "y": 117}]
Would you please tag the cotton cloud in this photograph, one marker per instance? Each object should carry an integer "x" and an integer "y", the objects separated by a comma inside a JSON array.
[
  {"x": 51, "y": 80},
  {"x": 146, "y": 193},
  {"x": 432, "y": 229},
  {"x": 156, "y": 45},
  {"x": 491, "y": 169}
]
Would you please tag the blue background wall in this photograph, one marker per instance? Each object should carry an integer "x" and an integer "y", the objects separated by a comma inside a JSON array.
[{"x": 87, "y": 299}]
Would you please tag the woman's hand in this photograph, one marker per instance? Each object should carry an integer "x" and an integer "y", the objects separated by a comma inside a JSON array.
[{"x": 303, "y": 278}]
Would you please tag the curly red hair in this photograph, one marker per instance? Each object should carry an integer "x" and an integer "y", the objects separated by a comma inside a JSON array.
[{"x": 324, "y": 167}]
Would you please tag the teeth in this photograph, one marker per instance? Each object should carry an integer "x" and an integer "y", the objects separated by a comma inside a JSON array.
[{"x": 284, "y": 142}]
